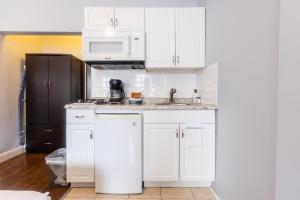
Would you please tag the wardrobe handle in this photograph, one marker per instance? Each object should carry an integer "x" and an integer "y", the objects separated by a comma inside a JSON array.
[
  {"x": 45, "y": 83},
  {"x": 50, "y": 83}
]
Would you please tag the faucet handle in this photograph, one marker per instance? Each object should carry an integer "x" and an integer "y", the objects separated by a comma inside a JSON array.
[{"x": 173, "y": 90}]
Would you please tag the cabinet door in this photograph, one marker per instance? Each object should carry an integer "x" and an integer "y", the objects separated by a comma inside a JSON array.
[
  {"x": 36, "y": 89},
  {"x": 190, "y": 37},
  {"x": 160, "y": 37},
  {"x": 80, "y": 153},
  {"x": 99, "y": 17},
  {"x": 128, "y": 19},
  {"x": 59, "y": 88},
  {"x": 197, "y": 152},
  {"x": 161, "y": 152}
]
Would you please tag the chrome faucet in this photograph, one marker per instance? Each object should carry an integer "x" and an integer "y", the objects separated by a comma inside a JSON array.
[{"x": 172, "y": 92}]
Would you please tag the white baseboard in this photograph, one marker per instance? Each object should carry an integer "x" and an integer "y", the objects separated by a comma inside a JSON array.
[
  {"x": 11, "y": 153},
  {"x": 214, "y": 193},
  {"x": 176, "y": 184},
  {"x": 83, "y": 185}
]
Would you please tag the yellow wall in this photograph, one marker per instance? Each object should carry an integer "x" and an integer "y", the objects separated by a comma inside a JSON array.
[{"x": 12, "y": 59}]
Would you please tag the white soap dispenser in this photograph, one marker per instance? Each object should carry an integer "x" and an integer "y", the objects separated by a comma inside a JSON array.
[{"x": 195, "y": 96}]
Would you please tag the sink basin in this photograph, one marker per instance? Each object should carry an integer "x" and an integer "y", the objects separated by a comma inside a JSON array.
[{"x": 172, "y": 104}]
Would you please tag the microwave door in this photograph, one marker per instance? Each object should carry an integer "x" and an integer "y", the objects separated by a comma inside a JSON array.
[{"x": 106, "y": 48}]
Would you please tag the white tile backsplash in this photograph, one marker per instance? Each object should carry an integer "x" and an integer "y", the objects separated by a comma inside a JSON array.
[
  {"x": 207, "y": 84},
  {"x": 151, "y": 84}
]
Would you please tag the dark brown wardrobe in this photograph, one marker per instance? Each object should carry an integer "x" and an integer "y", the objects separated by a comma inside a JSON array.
[{"x": 52, "y": 81}]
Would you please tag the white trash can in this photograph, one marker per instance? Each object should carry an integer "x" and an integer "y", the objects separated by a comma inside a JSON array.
[{"x": 56, "y": 162}]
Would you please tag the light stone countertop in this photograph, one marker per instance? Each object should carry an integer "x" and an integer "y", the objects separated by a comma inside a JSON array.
[{"x": 145, "y": 106}]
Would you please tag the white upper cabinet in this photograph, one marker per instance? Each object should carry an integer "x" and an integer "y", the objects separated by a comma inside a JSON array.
[
  {"x": 121, "y": 19},
  {"x": 99, "y": 17},
  {"x": 161, "y": 152},
  {"x": 190, "y": 37},
  {"x": 197, "y": 152},
  {"x": 160, "y": 37},
  {"x": 129, "y": 19},
  {"x": 175, "y": 37}
]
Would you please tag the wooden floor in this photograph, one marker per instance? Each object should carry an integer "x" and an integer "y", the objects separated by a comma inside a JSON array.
[{"x": 28, "y": 172}]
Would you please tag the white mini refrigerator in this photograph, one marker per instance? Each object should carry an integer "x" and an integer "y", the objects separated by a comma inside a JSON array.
[{"x": 118, "y": 153}]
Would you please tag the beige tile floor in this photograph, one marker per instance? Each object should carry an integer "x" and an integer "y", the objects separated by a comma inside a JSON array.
[{"x": 148, "y": 194}]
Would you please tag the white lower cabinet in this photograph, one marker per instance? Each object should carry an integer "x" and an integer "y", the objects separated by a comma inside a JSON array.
[
  {"x": 161, "y": 152},
  {"x": 179, "y": 154},
  {"x": 197, "y": 150},
  {"x": 80, "y": 153}
]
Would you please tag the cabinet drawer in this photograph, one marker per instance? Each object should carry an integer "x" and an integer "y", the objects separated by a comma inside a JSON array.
[
  {"x": 182, "y": 116},
  {"x": 80, "y": 116},
  {"x": 44, "y": 138}
]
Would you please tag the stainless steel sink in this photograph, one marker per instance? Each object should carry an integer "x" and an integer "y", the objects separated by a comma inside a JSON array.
[{"x": 172, "y": 104}]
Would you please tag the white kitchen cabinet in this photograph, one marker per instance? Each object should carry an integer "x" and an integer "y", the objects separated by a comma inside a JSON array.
[
  {"x": 80, "y": 153},
  {"x": 160, "y": 37},
  {"x": 99, "y": 17},
  {"x": 190, "y": 37},
  {"x": 120, "y": 19},
  {"x": 196, "y": 147},
  {"x": 197, "y": 150},
  {"x": 161, "y": 152},
  {"x": 129, "y": 19},
  {"x": 175, "y": 37}
]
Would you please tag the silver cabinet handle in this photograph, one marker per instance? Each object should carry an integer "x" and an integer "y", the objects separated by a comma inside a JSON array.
[
  {"x": 79, "y": 116},
  {"x": 117, "y": 22},
  {"x": 111, "y": 21},
  {"x": 48, "y": 143},
  {"x": 91, "y": 135},
  {"x": 173, "y": 59},
  {"x": 50, "y": 83},
  {"x": 182, "y": 133},
  {"x": 178, "y": 59},
  {"x": 177, "y": 133},
  {"x": 48, "y": 130},
  {"x": 194, "y": 128},
  {"x": 45, "y": 83}
]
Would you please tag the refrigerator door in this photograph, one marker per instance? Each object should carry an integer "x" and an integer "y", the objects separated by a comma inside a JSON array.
[{"x": 118, "y": 153}]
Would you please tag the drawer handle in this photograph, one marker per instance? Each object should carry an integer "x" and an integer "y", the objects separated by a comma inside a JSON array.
[
  {"x": 48, "y": 143},
  {"x": 194, "y": 128},
  {"x": 80, "y": 116},
  {"x": 48, "y": 130}
]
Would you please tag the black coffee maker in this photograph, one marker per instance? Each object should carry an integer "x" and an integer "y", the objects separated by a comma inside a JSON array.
[{"x": 116, "y": 93}]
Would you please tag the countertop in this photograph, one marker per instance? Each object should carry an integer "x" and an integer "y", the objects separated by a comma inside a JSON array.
[{"x": 145, "y": 106}]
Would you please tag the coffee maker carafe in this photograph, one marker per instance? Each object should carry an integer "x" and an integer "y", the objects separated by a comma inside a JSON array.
[{"x": 116, "y": 94}]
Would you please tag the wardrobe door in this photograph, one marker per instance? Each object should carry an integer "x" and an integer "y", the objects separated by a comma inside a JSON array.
[
  {"x": 36, "y": 89},
  {"x": 59, "y": 88}
]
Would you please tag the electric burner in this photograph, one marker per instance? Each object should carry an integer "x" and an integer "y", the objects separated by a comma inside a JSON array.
[
  {"x": 86, "y": 101},
  {"x": 95, "y": 101}
]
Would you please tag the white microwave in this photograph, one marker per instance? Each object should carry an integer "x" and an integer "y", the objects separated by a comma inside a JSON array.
[{"x": 99, "y": 45}]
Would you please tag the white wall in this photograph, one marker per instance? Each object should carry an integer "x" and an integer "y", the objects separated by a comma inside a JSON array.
[
  {"x": 288, "y": 139},
  {"x": 63, "y": 15},
  {"x": 12, "y": 60},
  {"x": 242, "y": 36}
]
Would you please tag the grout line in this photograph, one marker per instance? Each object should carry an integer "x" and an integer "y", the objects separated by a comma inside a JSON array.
[
  {"x": 194, "y": 197},
  {"x": 160, "y": 192}
]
